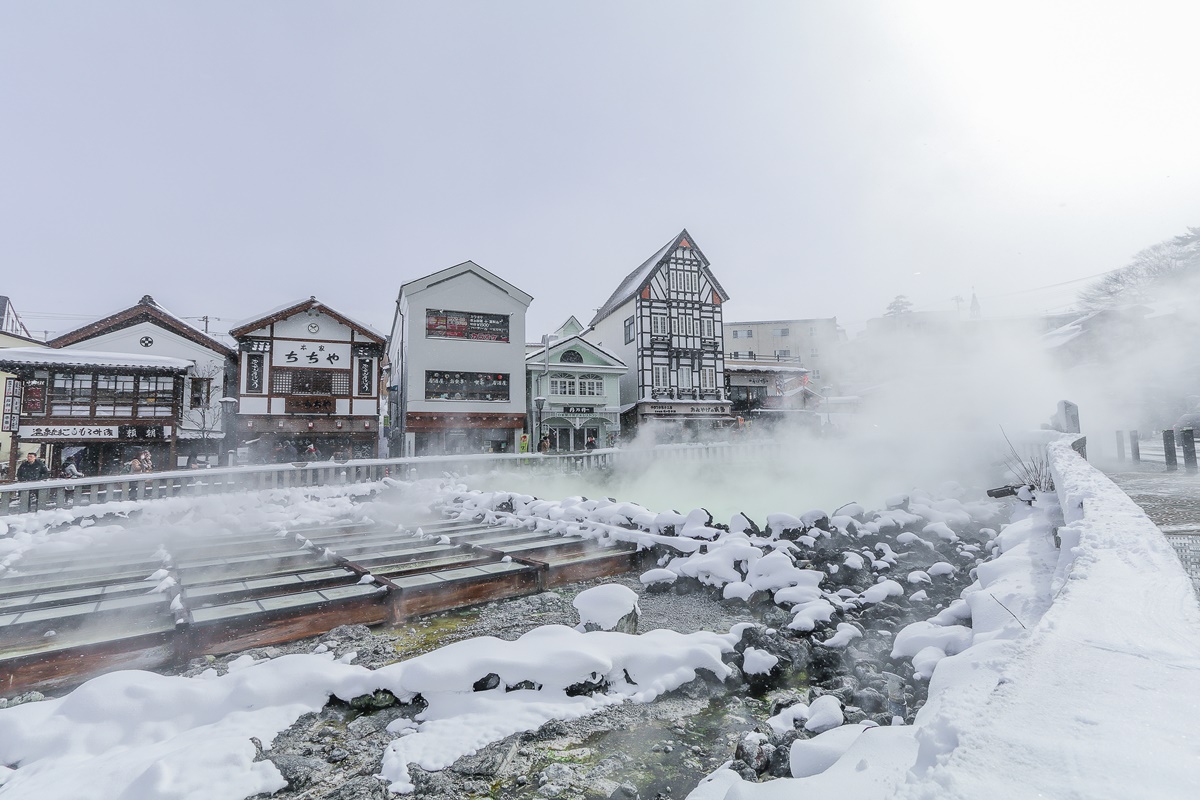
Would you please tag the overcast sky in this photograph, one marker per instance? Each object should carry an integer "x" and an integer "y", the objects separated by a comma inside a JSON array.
[{"x": 226, "y": 157}]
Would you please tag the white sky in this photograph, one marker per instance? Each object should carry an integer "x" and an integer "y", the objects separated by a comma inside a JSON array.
[{"x": 228, "y": 156}]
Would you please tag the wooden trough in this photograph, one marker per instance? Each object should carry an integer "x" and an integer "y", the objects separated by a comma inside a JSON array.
[{"x": 140, "y": 606}]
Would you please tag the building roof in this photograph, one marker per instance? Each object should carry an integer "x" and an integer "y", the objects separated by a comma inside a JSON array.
[
  {"x": 6, "y": 307},
  {"x": 450, "y": 273},
  {"x": 146, "y": 310},
  {"x": 47, "y": 357},
  {"x": 568, "y": 343},
  {"x": 636, "y": 280},
  {"x": 298, "y": 307}
]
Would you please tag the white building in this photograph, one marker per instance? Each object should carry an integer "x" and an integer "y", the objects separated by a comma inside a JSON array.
[
  {"x": 579, "y": 385},
  {"x": 457, "y": 355},
  {"x": 308, "y": 375},
  {"x": 147, "y": 329},
  {"x": 664, "y": 321},
  {"x": 815, "y": 344}
]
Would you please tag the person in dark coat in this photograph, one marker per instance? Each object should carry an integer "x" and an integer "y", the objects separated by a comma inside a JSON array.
[{"x": 33, "y": 469}]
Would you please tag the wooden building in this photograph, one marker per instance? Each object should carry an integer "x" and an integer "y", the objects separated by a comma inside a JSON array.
[
  {"x": 664, "y": 321},
  {"x": 308, "y": 375},
  {"x": 147, "y": 328},
  {"x": 102, "y": 408}
]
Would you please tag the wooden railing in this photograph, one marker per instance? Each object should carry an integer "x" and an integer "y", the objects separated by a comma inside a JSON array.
[{"x": 18, "y": 498}]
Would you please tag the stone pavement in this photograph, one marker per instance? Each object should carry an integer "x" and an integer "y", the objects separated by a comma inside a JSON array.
[{"x": 1171, "y": 500}]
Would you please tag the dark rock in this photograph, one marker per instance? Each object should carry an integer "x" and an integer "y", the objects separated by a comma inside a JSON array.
[
  {"x": 869, "y": 700},
  {"x": 523, "y": 685},
  {"x": 361, "y": 787},
  {"x": 597, "y": 684},
  {"x": 380, "y": 698},
  {"x": 298, "y": 771},
  {"x": 486, "y": 683},
  {"x": 336, "y": 755}
]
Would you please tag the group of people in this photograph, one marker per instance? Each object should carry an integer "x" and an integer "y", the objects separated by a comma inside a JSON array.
[
  {"x": 544, "y": 445},
  {"x": 33, "y": 468}
]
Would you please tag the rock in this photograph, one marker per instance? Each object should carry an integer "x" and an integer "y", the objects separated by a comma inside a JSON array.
[
  {"x": 361, "y": 787},
  {"x": 337, "y": 755},
  {"x": 380, "y": 698},
  {"x": 298, "y": 771},
  {"x": 486, "y": 683},
  {"x": 755, "y": 751},
  {"x": 870, "y": 700},
  {"x": 488, "y": 762}
]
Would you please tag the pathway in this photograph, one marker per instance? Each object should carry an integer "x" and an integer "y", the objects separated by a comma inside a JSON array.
[{"x": 1171, "y": 500}]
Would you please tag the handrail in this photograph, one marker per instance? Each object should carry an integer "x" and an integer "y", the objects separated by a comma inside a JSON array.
[{"x": 62, "y": 493}]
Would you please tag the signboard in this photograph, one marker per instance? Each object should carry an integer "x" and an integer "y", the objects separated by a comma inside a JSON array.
[
  {"x": 579, "y": 410},
  {"x": 309, "y": 405},
  {"x": 312, "y": 355},
  {"x": 35, "y": 397},
  {"x": 690, "y": 408},
  {"x": 442, "y": 324},
  {"x": 97, "y": 432},
  {"x": 254, "y": 373},
  {"x": 10, "y": 419}
]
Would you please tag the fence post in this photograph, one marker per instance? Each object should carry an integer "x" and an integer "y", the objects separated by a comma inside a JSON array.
[
  {"x": 1120, "y": 445},
  {"x": 1135, "y": 450},
  {"x": 1188, "y": 437},
  {"x": 1169, "y": 449}
]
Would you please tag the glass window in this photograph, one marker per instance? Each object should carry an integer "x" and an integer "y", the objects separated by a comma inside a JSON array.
[
  {"x": 781, "y": 332},
  {"x": 114, "y": 395},
  {"x": 706, "y": 328},
  {"x": 201, "y": 391},
  {"x": 562, "y": 384},
  {"x": 71, "y": 394},
  {"x": 708, "y": 378},
  {"x": 783, "y": 353},
  {"x": 591, "y": 386},
  {"x": 486, "y": 387},
  {"x": 156, "y": 395},
  {"x": 685, "y": 377},
  {"x": 629, "y": 330},
  {"x": 662, "y": 377}
]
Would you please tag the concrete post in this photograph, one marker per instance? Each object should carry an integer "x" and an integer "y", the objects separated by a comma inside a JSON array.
[
  {"x": 1120, "y": 445},
  {"x": 1189, "y": 447},
  {"x": 1135, "y": 451},
  {"x": 1169, "y": 449}
]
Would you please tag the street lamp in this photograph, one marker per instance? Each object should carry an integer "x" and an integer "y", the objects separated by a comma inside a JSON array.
[
  {"x": 539, "y": 403},
  {"x": 228, "y": 409}
]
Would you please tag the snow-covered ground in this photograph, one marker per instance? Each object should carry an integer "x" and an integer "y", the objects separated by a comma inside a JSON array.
[{"x": 1077, "y": 676}]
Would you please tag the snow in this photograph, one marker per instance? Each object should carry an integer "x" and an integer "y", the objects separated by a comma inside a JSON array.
[
  {"x": 824, "y": 713},
  {"x": 846, "y": 633},
  {"x": 758, "y": 662},
  {"x": 605, "y": 605},
  {"x": 90, "y": 358}
]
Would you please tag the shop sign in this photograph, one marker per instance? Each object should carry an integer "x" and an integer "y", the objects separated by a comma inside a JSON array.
[
  {"x": 12, "y": 405},
  {"x": 296, "y": 353},
  {"x": 99, "y": 432},
  {"x": 579, "y": 410}
]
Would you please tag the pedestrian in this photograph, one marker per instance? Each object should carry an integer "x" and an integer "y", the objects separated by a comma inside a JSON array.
[
  {"x": 69, "y": 469},
  {"x": 33, "y": 469},
  {"x": 544, "y": 444},
  {"x": 591, "y": 443},
  {"x": 311, "y": 453},
  {"x": 143, "y": 463}
]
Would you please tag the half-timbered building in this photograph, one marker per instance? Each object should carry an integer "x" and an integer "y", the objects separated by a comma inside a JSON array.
[
  {"x": 308, "y": 375},
  {"x": 664, "y": 321},
  {"x": 148, "y": 329}
]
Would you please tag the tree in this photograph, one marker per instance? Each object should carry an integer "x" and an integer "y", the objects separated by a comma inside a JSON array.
[
  {"x": 205, "y": 384},
  {"x": 1152, "y": 274},
  {"x": 901, "y": 305}
]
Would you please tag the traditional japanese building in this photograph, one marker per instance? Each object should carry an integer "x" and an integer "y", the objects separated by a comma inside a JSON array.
[
  {"x": 664, "y": 321},
  {"x": 13, "y": 333},
  {"x": 147, "y": 328},
  {"x": 102, "y": 408},
  {"x": 307, "y": 375},
  {"x": 578, "y": 383},
  {"x": 457, "y": 354}
]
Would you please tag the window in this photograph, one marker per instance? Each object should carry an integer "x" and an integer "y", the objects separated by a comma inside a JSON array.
[
  {"x": 325, "y": 382},
  {"x": 816, "y": 373},
  {"x": 743, "y": 333},
  {"x": 443, "y": 324},
  {"x": 201, "y": 392},
  {"x": 659, "y": 325},
  {"x": 487, "y": 387},
  {"x": 114, "y": 395},
  {"x": 562, "y": 383},
  {"x": 814, "y": 354},
  {"x": 783, "y": 353},
  {"x": 781, "y": 332},
  {"x": 674, "y": 276},
  {"x": 662, "y": 377},
  {"x": 812, "y": 330},
  {"x": 706, "y": 328},
  {"x": 685, "y": 377},
  {"x": 571, "y": 357},
  {"x": 708, "y": 378},
  {"x": 71, "y": 395},
  {"x": 591, "y": 386},
  {"x": 155, "y": 396},
  {"x": 629, "y": 330}
]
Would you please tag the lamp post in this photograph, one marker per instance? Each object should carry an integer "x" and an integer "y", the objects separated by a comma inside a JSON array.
[
  {"x": 539, "y": 403},
  {"x": 228, "y": 409}
]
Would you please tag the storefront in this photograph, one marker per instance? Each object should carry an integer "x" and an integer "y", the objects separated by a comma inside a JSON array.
[
  {"x": 455, "y": 434},
  {"x": 101, "y": 408}
]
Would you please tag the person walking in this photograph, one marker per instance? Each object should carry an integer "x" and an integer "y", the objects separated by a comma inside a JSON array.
[
  {"x": 591, "y": 443},
  {"x": 544, "y": 444},
  {"x": 142, "y": 463},
  {"x": 69, "y": 469},
  {"x": 33, "y": 469}
]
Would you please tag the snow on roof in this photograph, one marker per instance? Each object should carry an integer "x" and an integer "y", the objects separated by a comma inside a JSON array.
[
  {"x": 146, "y": 304},
  {"x": 310, "y": 301},
  {"x": 39, "y": 356},
  {"x": 534, "y": 356},
  {"x": 729, "y": 367},
  {"x": 420, "y": 284}
]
